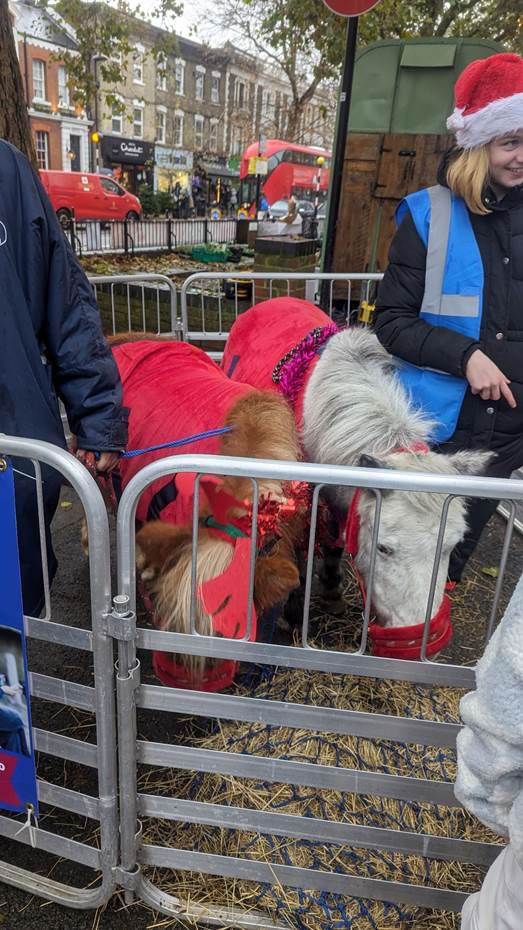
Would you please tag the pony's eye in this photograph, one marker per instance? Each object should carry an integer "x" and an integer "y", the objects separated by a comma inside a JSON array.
[{"x": 385, "y": 550}]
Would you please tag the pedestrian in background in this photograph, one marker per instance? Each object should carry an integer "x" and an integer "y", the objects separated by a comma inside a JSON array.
[
  {"x": 52, "y": 347},
  {"x": 450, "y": 306},
  {"x": 490, "y": 770}
]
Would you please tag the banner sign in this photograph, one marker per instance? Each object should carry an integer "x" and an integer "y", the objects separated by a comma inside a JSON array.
[{"x": 17, "y": 765}]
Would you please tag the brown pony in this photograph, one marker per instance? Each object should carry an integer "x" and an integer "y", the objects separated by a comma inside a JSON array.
[{"x": 174, "y": 390}]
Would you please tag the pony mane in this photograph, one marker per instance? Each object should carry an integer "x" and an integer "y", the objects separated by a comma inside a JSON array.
[{"x": 354, "y": 403}]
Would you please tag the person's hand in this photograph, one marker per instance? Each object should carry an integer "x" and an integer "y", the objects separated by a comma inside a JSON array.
[
  {"x": 107, "y": 462},
  {"x": 486, "y": 379},
  {"x": 12, "y": 690}
]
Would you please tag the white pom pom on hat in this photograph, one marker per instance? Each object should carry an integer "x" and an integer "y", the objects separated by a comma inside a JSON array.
[{"x": 488, "y": 100}]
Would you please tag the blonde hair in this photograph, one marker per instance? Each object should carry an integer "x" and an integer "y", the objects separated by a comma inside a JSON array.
[{"x": 467, "y": 177}]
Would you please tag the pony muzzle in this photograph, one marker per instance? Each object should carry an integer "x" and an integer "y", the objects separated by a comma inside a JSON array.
[{"x": 403, "y": 642}]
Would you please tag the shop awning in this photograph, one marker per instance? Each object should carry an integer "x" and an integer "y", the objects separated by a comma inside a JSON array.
[{"x": 218, "y": 171}]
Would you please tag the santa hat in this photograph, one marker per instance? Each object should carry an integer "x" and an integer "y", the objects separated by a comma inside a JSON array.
[{"x": 489, "y": 100}]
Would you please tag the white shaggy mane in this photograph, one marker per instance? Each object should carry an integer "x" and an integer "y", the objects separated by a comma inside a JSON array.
[{"x": 354, "y": 403}]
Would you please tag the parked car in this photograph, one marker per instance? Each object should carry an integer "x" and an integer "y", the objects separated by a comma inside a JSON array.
[
  {"x": 90, "y": 196},
  {"x": 280, "y": 208}
]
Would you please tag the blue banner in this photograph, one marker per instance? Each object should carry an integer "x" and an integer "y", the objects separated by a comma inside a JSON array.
[{"x": 17, "y": 765}]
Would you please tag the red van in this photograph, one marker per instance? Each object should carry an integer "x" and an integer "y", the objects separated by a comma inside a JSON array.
[{"x": 90, "y": 196}]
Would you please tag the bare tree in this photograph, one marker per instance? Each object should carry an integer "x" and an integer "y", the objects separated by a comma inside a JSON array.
[
  {"x": 282, "y": 35},
  {"x": 14, "y": 120}
]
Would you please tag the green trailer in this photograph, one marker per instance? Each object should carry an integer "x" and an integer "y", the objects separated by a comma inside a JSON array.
[{"x": 402, "y": 95}]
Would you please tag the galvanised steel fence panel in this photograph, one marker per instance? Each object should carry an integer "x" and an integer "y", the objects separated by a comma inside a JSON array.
[
  {"x": 212, "y": 300},
  {"x": 95, "y": 643},
  {"x": 318, "y": 719},
  {"x": 133, "y": 237},
  {"x": 138, "y": 303}
]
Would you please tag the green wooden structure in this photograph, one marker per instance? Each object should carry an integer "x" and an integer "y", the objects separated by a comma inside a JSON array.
[
  {"x": 402, "y": 96},
  {"x": 407, "y": 85}
]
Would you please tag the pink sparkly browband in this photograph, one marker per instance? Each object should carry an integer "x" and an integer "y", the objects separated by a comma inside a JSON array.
[{"x": 291, "y": 370}]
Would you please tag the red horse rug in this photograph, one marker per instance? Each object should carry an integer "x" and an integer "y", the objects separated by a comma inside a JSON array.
[{"x": 175, "y": 391}]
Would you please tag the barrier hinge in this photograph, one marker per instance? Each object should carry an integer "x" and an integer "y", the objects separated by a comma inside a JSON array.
[
  {"x": 121, "y": 622},
  {"x": 126, "y": 879}
]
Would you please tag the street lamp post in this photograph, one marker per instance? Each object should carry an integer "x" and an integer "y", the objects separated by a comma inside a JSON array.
[
  {"x": 320, "y": 161},
  {"x": 95, "y": 152}
]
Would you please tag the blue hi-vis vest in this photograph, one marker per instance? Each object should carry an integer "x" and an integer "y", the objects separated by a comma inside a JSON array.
[{"x": 453, "y": 297}]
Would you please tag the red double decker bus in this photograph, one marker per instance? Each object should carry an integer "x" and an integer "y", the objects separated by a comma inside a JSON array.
[{"x": 291, "y": 169}]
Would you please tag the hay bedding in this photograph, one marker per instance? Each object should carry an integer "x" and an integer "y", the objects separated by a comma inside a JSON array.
[{"x": 312, "y": 910}]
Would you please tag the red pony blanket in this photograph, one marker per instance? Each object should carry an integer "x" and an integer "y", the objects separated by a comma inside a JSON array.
[
  {"x": 173, "y": 390},
  {"x": 273, "y": 346}
]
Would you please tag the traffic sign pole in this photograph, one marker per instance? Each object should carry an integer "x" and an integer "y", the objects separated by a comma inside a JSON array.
[{"x": 339, "y": 152}]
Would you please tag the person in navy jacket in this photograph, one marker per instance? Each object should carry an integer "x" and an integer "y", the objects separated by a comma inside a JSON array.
[
  {"x": 450, "y": 306},
  {"x": 51, "y": 347}
]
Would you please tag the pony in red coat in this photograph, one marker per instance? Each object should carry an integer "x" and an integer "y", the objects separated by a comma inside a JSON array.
[
  {"x": 174, "y": 390},
  {"x": 351, "y": 409}
]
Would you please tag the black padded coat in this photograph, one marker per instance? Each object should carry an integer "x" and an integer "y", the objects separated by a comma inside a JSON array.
[{"x": 51, "y": 346}]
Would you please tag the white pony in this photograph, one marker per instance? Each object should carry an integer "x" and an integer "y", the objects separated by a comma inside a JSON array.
[{"x": 353, "y": 410}]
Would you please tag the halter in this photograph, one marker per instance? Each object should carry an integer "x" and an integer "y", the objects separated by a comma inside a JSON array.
[{"x": 398, "y": 642}]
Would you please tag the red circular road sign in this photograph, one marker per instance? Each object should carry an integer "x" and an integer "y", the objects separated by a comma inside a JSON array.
[{"x": 350, "y": 7}]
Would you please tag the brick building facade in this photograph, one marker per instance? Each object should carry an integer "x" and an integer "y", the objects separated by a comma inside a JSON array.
[{"x": 60, "y": 131}]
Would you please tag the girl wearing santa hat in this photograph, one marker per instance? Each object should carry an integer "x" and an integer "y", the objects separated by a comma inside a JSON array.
[{"x": 450, "y": 306}]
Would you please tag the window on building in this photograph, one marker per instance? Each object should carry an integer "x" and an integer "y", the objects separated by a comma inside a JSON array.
[
  {"x": 215, "y": 88},
  {"x": 138, "y": 57},
  {"x": 63, "y": 88},
  {"x": 198, "y": 132},
  {"x": 161, "y": 72},
  {"x": 199, "y": 82},
  {"x": 137, "y": 119},
  {"x": 161, "y": 117},
  {"x": 267, "y": 105},
  {"x": 180, "y": 76},
  {"x": 39, "y": 79},
  {"x": 213, "y": 135},
  {"x": 42, "y": 149},
  {"x": 237, "y": 140},
  {"x": 240, "y": 94},
  {"x": 178, "y": 128},
  {"x": 116, "y": 119},
  {"x": 284, "y": 115}
]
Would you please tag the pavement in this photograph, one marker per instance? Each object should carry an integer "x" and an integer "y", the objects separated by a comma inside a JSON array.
[{"x": 70, "y": 601}]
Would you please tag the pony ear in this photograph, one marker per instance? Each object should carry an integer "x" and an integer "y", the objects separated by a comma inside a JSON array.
[
  {"x": 370, "y": 461},
  {"x": 471, "y": 461}
]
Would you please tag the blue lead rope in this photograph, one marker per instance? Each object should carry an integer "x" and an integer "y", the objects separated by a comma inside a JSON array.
[{"x": 219, "y": 431}]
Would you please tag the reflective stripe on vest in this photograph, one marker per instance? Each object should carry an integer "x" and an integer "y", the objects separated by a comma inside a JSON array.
[{"x": 453, "y": 297}]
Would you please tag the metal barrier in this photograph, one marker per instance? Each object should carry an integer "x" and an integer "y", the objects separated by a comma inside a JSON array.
[
  {"x": 130, "y": 236},
  {"x": 135, "y": 855},
  {"x": 125, "y": 869},
  {"x": 99, "y": 700},
  {"x": 207, "y": 313},
  {"x": 137, "y": 302}
]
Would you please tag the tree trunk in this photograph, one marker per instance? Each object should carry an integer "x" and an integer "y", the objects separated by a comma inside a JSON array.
[{"x": 14, "y": 120}]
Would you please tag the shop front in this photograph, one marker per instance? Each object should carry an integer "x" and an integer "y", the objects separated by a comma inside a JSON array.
[
  {"x": 221, "y": 180},
  {"x": 131, "y": 161},
  {"x": 173, "y": 167}
]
